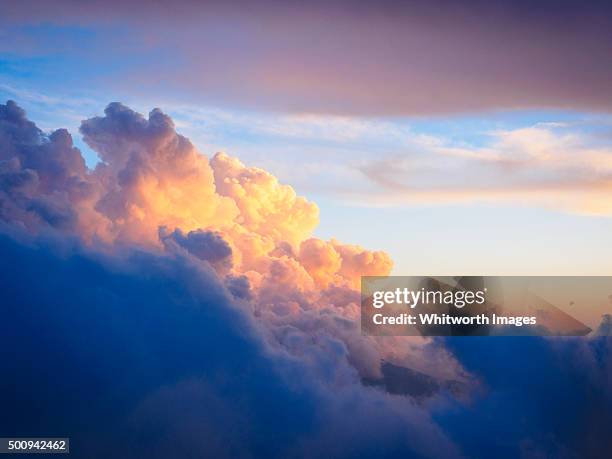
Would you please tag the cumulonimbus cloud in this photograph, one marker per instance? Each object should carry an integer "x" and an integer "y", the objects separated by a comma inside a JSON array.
[
  {"x": 154, "y": 189},
  {"x": 166, "y": 304},
  {"x": 194, "y": 292}
]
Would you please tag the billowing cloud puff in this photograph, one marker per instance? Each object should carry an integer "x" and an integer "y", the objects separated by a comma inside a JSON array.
[
  {"x": 204, "y": 245},
  {"x": 357, "y": 262},
  {"x": 154, "y": 189},
  {"x": 43, "y": 177},
  {"x": 333, "y": 262},
  {"x": 150, "y": 176},
  {"x": 320, "y": 260},
  {"x": 266, "y": 207}
]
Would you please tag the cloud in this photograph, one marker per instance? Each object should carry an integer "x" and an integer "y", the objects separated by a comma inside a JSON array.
[
  {"x": 154, "y": 189},
  {"x": 388, "y": 58},
  {"x": 544, "y": 165},
  {"x": 146, "y": 354},
  {"x": 150, "y": 176},
  {"x": 605, "y": 327},
  {"x": 544, "y": 398},
  {"x": 43, "y": 177},
  {"x": 175, "y": 312},
  {"x": 333, "y": 262},
  {"x": 266, "y": 207},
  {"x": 205, "y": 245}
]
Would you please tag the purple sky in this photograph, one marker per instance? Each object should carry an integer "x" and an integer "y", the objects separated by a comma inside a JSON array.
[{"x": 378, "y": 58}]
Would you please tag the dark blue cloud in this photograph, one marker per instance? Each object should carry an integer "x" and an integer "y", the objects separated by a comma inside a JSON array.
[
  {"x": 205, "y": 245},
  {"x": 146, "y": 355},
  {"x": 88, "y": 346},
  {"x": 541, "y": 397}
]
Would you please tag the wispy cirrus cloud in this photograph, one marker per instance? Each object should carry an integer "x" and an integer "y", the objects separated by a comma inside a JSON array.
[{"x": 548, "y": 164}]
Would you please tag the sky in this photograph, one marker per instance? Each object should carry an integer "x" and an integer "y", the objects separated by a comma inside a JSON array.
[
  {"x": 191, "y": 191},
  {"x": 473, "y": 139}
]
